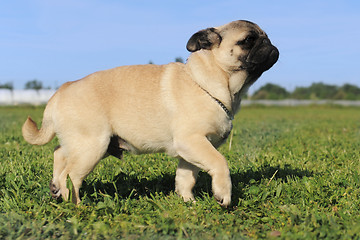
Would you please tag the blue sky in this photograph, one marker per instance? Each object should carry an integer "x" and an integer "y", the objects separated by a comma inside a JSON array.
[{"x": 60, "y": 41}]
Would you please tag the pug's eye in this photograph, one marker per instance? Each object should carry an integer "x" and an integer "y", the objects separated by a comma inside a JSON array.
[{"x": 249, "y": 40}]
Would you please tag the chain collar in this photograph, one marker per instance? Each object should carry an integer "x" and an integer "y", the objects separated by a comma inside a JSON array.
[{"x": 229, "y": 113}]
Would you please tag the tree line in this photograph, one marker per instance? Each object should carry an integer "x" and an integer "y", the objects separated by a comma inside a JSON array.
[
  {"x": 314, "y": 92},
  {"x": 32, "y": 84}
]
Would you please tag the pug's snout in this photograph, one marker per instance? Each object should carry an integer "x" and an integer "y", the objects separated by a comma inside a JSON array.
[
  {"x": 274, "y": 55},
  {"x": 266, "y": 41}
]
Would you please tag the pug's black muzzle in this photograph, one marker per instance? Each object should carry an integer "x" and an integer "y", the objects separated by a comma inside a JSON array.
[{"x": 261, "y": 57}]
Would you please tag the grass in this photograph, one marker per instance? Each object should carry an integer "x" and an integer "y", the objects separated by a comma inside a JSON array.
[{"x": 295, "y": 174}]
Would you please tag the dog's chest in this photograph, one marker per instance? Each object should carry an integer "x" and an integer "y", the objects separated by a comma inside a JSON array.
[{"x": 221, "y": 133}]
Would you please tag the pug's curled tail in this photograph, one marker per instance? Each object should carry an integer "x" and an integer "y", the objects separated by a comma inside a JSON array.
[{"x": 36, "y": 136}]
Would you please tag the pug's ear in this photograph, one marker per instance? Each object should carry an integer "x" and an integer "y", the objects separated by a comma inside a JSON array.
[{"x": 204, "y": 39}]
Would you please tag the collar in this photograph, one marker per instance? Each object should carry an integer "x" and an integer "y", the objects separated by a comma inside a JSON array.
[{"x": 228, "y": 112}]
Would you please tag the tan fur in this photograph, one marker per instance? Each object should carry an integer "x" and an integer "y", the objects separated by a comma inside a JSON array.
[{"x": 151, "y": 108}]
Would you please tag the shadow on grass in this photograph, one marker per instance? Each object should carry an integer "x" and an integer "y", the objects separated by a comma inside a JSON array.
[
  {"x": 247, "y": 177},
  {"x": 124, "y": 185},
  {"x": 267, "y": 171},
  {"x": 264, "y": 174}
]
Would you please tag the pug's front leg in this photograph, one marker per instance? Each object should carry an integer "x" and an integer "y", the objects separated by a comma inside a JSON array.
[{"x": 198, "y": 151}]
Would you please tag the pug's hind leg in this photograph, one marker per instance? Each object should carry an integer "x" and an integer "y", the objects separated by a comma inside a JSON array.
[
  {"x": 83, "y": 160},
  {"x": 186, "y": 174},
  {"x": 59, "y": 166}
]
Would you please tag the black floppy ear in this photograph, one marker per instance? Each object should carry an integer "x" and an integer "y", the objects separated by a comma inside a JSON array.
[{"x": 204, "y": 39}]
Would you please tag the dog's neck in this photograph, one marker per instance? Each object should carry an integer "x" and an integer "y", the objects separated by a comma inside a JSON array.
[
  {"x": 205, "y": 72},
  {"x": 238, "y": 85},
  {"x": 221, "y": 85},
  {"x": 228, "y": 112}
]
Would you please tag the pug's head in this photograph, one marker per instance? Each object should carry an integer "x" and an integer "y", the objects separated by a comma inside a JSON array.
[{"x": 237, "y": 46}]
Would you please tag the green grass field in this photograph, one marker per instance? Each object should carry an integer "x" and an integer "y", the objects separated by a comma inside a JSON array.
[{"x": 295, "y": 174}]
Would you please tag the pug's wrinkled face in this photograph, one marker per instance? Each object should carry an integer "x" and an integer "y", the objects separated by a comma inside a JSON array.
[{"x": 237, "y": 46}]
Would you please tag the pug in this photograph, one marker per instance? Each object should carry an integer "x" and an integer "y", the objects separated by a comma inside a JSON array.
[{"x": 185, "y": 110}]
